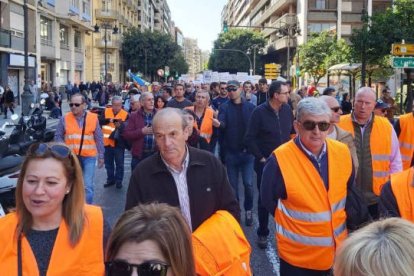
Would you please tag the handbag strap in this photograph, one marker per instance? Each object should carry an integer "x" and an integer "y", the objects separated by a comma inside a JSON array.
[
  {"x": 19, "y": 256},
  {"x": 83, "y": 133}
]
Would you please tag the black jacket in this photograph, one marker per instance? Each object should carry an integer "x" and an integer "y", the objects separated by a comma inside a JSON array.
[{"x": 208, "y": 187}]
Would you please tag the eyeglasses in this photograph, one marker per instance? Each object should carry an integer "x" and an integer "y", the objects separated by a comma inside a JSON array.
[
  {"x": 122, "y": 268},
  {"x": 231, "y": 89},
  {"x": 335, "y": 109},
  {"x": 60, "y": 151},
  {"x": 75, "y": 104},
  {"x": 310, "y": 125},
  {"x": 384, "y": 110}
]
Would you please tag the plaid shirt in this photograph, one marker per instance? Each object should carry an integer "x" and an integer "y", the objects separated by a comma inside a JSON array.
[{"x": 149, "y": 143}]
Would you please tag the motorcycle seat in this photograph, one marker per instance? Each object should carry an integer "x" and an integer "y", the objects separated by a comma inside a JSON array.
[{"x": 10, "y": 161}]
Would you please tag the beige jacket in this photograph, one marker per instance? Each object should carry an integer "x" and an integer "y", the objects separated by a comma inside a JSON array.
[{"x": 346, "y": 138}]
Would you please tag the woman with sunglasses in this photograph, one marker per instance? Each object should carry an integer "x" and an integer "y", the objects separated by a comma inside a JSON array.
[
  {"x": 52, "y": 231},
  {"x": 150, "y": 240}
]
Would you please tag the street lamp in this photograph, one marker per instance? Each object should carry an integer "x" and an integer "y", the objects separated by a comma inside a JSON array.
[
  {"x": 27, "y": 96},
  {"x": 290, "y": 31},
  {"x": 106, "y": 27},
  {"x": 239, "y": 51},
  {"x": 253, "y": 47}
]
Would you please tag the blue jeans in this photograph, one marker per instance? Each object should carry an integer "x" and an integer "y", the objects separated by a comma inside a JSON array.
[
  {"x": 88, "y": 165},
  {"x": 244, "y": 163},
  {"x": 114, "y": 164}
]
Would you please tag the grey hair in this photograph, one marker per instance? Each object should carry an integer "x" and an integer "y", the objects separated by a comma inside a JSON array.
[
  {"x": 165, "y": 114},
  {"x": 144, "y": 96},
  {"x": 312, "y": 106},
  {"x": 135, "y": 97},
  {"x": 116, "y": 99},
  {"x": 204, "y": 92}
]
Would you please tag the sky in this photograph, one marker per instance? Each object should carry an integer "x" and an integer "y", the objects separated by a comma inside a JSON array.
[{"x": 200, "y": 19}]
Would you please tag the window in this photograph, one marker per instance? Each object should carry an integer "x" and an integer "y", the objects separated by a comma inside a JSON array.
[
  {"x": 64, "y": 36},
  {"x": 320, "y": 4},
  {"x": 45, "y": 30},
  {"x": 86, "y": 6},
  {"x": 320, "y": 27},
  {"x": 77, "y": 40}
]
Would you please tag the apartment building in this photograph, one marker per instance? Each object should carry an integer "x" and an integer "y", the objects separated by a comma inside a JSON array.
[
  {"x": 288, "y": 23},
  {"x": 146, "y": 11},
  {"x": 12, "y": 44},
  {"x": 192, "y": 55},
  {"x": 162, "y": 16}
]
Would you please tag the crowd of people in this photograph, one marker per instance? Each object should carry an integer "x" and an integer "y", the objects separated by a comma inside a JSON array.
[{"x": 329, "y": 172}]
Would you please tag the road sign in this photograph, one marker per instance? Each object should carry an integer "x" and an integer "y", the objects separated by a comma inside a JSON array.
[
  {"x": 272, "y": 70},
  {"x": 160, "y": 72},
  {"x": 399, "y": 49},
  {"x": 403, "y": 62}
]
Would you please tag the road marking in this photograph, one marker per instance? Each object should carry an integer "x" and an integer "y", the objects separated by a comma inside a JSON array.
[{"x": 271, "y": 252}]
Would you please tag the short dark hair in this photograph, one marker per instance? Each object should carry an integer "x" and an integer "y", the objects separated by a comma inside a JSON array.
[
  {"x": 275, "y": 87},
  {"x": 179, "y": 84},
  {"x": 263, "y": 81},
  {"x": 328, "y": 91},
  {"x": 213, "y": 85},
  {"x": 223, "y": 83},
  {"x": 168, "y": 90},
  {"x": 247, "y": 82}
]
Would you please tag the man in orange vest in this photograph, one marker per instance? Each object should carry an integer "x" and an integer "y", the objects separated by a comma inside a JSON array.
[
  {"x": 80, "y": 131},
  {"x": 112, "y": 123},
  {"x": 306, "y": 183},
  {"x": 397, "y": 196},
  {"x": 377, "y": 147},
  {"x": 206, "y": 119},
  {"x": 405, "y": 131}
]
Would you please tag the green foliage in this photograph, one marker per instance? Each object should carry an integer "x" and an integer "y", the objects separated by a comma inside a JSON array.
[
  {"x": 148, "y": 51},
  {"x": 321, "y": 52},
  {"x": 233, "y": 61}
]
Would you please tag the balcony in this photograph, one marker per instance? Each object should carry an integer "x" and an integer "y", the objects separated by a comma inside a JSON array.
[
  {"x": 110, "y": 44},
  {"x": 106, "y": 14},
  {"x": 110, "y": 67},
  {"x": 274, "y": 8},
  {"x": 5, "y": 38},
  {"x": 282, "y": 43},
  {"x": 286, "y": 19}
]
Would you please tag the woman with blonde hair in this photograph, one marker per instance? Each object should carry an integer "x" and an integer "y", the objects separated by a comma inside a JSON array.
[
  {"x": 52, "y": 231},
  {"x": 382, "y": 248},
  {"x": 152, "y": 240}
]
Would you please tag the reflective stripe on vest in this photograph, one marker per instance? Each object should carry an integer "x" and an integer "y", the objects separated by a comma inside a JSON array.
[
  {"x": 381, "y": 147},
  {"x": 311, "y": 221},
  {"x": 85, "y": 258},
  {"x": 402, "y": 186},
  {"x": 206, "y": 129},
  {"x": 406, "y": 139},
  {"x": 110, "y": 127},
  {"x": 73, "y": 134}
]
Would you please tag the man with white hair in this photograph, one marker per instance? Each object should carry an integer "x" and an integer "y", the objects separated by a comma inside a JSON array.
[
  {"x": 306, "y": 185},
  {"x": 134, "y": 103},
  {"x": 376, "y": 144}
]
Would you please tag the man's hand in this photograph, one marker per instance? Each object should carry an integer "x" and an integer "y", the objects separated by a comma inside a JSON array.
[
  {"x": 100, "y": 162},
  {"x": 216, "y": 123},
  {"x": 146, "y": 130},
  {"x": 117, "y": 124}
]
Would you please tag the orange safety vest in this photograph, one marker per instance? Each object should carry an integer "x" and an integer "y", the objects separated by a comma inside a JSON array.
[
  {"x": 85, "y": 258},
  {"x": 311, "y": 222},
  {"x": 403, "y": 190},
  {"x": 220, "y": 247},
  {"x": 206, "y": 130},
  {"x": 73, "y": 134},
  {"x": 380, "y": 141},
  {"x": 406, "y": 139},
  {"x": 109, "y": 128}
]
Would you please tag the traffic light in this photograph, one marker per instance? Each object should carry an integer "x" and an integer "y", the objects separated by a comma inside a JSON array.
[{"x": 225, "y": 27}]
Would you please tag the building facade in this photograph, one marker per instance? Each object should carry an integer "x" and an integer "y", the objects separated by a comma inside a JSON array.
[{"x": 192, "y": 55}]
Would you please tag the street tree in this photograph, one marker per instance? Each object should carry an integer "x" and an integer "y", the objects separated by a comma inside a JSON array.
[
  {"x": 321, "y": 52},
  {"x": 148, "y": 51},
  {"x": 232, "y": 48}
]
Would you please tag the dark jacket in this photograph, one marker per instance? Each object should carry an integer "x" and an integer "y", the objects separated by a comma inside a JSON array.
[
  {"x": 133, "y": 132},
  {"x": 232, "y": 133},
  {"x": 267, "y": 129},
  {"x": 208, "y": 187},
  {"x": 119, "y": 139}
]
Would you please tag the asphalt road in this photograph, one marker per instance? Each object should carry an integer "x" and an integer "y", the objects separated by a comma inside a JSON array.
[{"x": 263, "y": 262}]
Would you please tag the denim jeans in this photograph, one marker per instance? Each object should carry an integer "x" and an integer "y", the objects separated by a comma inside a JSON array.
[
  {"x": 88, "y": 165},
  {"x": 262, "y": 213},
  {"x": 243, "y": 163},
  {"x": 114, "y": 164}
]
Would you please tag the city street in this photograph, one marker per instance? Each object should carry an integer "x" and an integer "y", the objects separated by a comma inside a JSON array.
[{"x": 112, "y": 200}]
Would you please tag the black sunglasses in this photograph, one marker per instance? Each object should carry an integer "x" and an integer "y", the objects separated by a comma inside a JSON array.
[
  {"x": 335, "y": 109},
  {"x": 122, "y": 268},
  {"x": 74, "y": 104},
  {"x": 60, "y": 151},
  {"x": 231, "y": 89},
  {"x": 384, "y": 110},
  {"x": 310, "y": 125}
]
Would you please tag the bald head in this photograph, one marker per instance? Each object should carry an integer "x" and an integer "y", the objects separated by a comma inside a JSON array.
[
  {"x": 364, "y": 104},
  {"x": 167, "y": 114},
  {"x": 367, "y": 91}
]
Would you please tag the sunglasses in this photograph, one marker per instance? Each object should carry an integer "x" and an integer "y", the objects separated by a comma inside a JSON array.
[
  {"x": 335, "y": 109},
  {"x": 231, "y": 89},
  {"x": 122, "y": 268},
  {"x": 59, "y": 151},
  {"x": 310, "y": 125},
  {"x": 384, "y": 110},
  {"x": 74, "y": 104}
]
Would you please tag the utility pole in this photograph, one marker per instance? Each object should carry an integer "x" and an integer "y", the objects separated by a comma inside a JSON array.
[{"x": 27, "y": 96}]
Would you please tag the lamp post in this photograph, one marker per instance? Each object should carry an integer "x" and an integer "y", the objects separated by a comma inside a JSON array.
[
  {"x": 27, "y": 96},
  {"x": 290, "y": 31},
  {"x": 239, "y": 51},
  {"x": 106, "y": 27}
]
